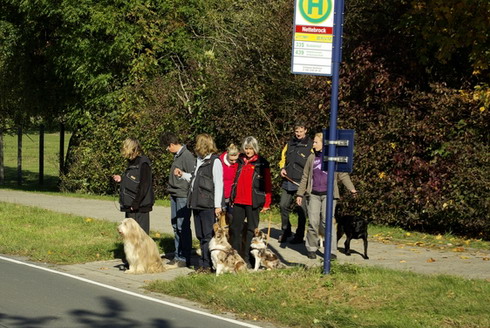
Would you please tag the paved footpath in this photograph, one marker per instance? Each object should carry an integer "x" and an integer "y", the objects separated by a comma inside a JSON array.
[{"x": 472, "y": 264}]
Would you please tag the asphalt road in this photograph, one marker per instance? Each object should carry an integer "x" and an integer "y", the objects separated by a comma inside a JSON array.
[{"x": 35, "y": 296}]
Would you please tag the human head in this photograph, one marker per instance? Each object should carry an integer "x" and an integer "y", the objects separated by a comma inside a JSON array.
[
  {"x": 318, "y": 141},
  {"x": 250, "y": 146},
  {"x": 131, "y": 148},
  {"x": 300, "y": 130},
  {"x": 170, "y": 141},
  {"x": 232, "y": 153},
  {"x": 205, "y": 145}
]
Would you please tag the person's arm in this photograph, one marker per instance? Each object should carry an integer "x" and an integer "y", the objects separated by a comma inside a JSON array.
[
  {"x": 145, "y": 173},
  {"x": 304, "y": 180},
  {"x": 218, "y": 184},
  {"x": 189, "y": 162},
  {"x": 268, "y": 188},
  {"x": 282, "y": 162},
  {"x": 183, "y": 175},
  {"x": 346, "y": 181}
]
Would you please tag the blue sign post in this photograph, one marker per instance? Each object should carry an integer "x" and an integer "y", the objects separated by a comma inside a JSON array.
[
  {"x": 332, "y": 134},
  {"x": 317, "y": 50}
]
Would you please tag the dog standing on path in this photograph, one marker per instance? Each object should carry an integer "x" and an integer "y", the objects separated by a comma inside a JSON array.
[
  {"x": 354, "y": 227},
  {"x": 141, "y": 251}
]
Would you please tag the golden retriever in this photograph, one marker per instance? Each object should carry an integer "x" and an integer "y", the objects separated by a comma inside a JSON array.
[
  {"x": 263, "y": 257},
  {"x": 224, "y": 257},
  {"x": 141, "y": 251}
]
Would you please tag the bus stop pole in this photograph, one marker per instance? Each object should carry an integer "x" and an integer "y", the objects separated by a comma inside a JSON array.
[{"x": 336, "y": 59}]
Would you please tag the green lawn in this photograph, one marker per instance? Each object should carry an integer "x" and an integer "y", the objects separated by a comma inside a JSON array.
[{"x": 30, "y": 160}]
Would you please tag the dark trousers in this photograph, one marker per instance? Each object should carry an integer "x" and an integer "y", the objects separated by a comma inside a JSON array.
[
  {"x": 203, "y": 224},
  {"x": 143, "y": 220},
  {"x": 240, "y": 212},
  {"x": 287, "y": 205}
]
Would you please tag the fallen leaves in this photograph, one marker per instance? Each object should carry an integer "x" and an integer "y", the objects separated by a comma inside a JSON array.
[
  {"x": 431, "y": 260},
  {"x": 458, "y": 249}
]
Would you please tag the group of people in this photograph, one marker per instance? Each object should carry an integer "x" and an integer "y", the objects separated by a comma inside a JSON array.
[{"x": 237, "y": 181}]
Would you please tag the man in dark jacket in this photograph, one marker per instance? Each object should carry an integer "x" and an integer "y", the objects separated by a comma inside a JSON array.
[
  {"x": 293, "y": 160},
  {"x": 178, "y": 190}
]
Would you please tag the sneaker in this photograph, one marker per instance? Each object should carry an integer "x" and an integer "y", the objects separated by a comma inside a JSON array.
[
  {"x": 176, "y": 264},
  {"x": 311, "y": 255}
]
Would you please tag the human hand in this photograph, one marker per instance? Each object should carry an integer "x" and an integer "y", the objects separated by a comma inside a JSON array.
[
  {"x": 178, "y": 172},
  {"x": 265, "y": 209},
  {"x": 116, "y": 178},
  {"x": 283, "y": 173},
  {"x": 299, "y": 200},
  {"x": 217, "y": 211}
]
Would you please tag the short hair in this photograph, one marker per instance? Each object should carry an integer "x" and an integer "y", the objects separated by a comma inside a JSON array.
[
  {"x": 232, "y": 150},
  {"x": 251, "y": 142},
  {"x": 169, "y": 138},
  {"x": 205, "y": 145},
  {"x": 299, "y": 124},
  {"x": 131, "y": 148}
]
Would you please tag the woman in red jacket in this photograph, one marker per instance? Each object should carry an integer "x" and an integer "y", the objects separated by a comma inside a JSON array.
[{"x": 251, "y": 194}]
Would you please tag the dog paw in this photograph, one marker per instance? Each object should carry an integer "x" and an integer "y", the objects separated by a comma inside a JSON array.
[
  {"x": 366, "y": 257},
  {"x": 348, "y": 253}
]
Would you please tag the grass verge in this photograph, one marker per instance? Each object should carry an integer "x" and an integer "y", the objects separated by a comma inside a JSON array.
[
  {"x": 58, "y": 238},
  {"x": 350, "y": 296}
]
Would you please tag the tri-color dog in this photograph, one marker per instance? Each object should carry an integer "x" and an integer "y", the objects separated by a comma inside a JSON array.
[
  {"x": 224, "y": 257},
  {"x": 264, "y": 257}
]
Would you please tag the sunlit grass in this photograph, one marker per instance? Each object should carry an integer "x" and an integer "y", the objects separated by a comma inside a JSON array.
[
  {"x": 58, "y": 238},
  {"x": 350, "y": 296}
]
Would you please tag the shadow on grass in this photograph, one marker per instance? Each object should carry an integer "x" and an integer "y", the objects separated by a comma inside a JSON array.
[{"x": 30, "y": 181}]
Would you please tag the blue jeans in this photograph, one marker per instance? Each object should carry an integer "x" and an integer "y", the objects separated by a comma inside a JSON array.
[{"x": 181, "y": 223}]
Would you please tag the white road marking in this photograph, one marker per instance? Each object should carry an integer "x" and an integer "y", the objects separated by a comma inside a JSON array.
[{"x": 244, "y": 324}]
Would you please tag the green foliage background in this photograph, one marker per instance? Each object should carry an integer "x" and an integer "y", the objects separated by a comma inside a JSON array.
[{"x": 414, "y": 86}]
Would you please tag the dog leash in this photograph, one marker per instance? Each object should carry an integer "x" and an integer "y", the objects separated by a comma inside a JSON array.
[{"x": 269, "y": 228}]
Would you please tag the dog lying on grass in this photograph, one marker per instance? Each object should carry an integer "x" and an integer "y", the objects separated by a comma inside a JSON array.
[
  {"x": 141, "y": 251},
  {"x": 263, "y": 256},
  {"x": 224, "y": 257},
  {"x": 354, "y": 227}
]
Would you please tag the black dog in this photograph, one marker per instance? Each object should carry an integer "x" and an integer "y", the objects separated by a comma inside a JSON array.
[{"x": 354, "y": 227}]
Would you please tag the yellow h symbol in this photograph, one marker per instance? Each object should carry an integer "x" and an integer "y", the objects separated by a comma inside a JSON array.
[{"x": 315, "y": 4}]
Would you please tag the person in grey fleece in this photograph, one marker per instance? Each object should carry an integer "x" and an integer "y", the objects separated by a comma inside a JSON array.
[{"x": 178, "y": 189}]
